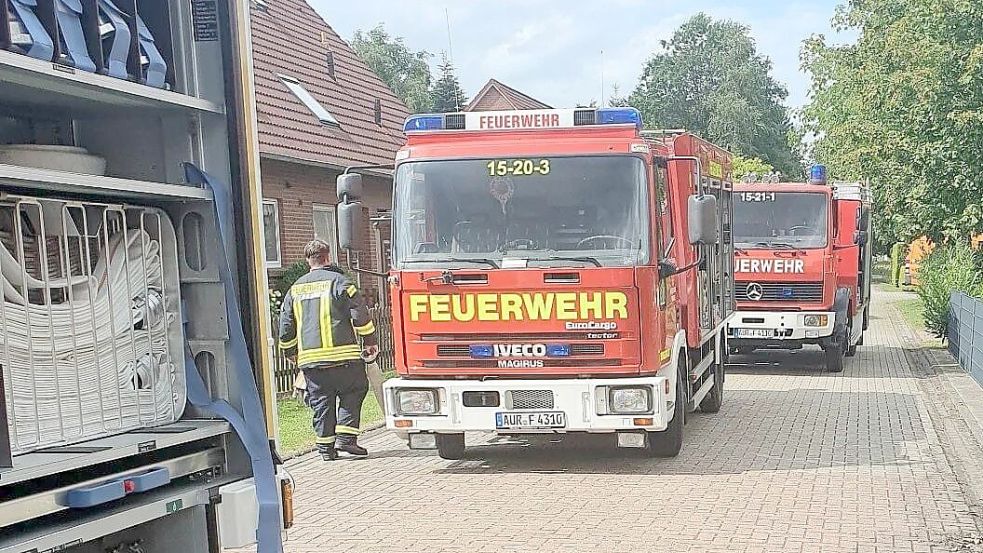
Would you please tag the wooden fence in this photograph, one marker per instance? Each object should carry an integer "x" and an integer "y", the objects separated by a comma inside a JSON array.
[{"x": 284, "y": 370}]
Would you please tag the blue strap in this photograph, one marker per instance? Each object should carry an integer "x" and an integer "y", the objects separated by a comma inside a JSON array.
[
  {"x": 120, "y": 51},
  {"x": 250, "y": 425},
  {"x": 156, "y": 68},
  {"x": 70, "y": 26},
  {"x": 42, "y": 47}
]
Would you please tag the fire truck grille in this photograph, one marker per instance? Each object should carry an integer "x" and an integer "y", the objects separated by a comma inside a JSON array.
[
  {"x": 531, "y": 399},
  {"x": 465, "y": 351},
  {"x": 779, "y": 291},
  {"x": 494, "y": 363}
]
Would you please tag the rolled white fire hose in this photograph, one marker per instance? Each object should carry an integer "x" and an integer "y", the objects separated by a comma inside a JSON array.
[{"x": 96, "y": 363}]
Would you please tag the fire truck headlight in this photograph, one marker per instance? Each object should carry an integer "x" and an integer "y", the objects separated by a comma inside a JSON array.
[
  {"x": 630, "y": 400},
  {"x": 816, "y": 320},
  {"x": 417, "y": 401}
]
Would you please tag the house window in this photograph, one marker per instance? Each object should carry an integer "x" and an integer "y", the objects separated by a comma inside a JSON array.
[
  {"x": 378, "y": 111},
  {"x": 271, "y": 234},
  {"x": 309, "y": 101},
  {"x": 326, "y": 228},
  {"x": 331, "y": 64}
]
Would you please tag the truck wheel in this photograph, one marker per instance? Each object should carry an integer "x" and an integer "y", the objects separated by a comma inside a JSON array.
[
  {"x": 851, "y": 349},
  {"x": 713, "y": 401},
  {"x": 668, "y": 442},
  {"x": 450, "y": 446},
  {"x": 834, "y": 358}
]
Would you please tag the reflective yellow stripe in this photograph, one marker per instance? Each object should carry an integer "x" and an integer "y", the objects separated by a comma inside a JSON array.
[
  {"x": 366, "y": 329},
  {"x": 352, "y": 290},
  {"x": 342, "y": 429},
  {"x": 325, "y": 440},
  {"x": 298, "y": 320},
  {"x": 289, "y": 343},
  {"x": 327, "y": 340},
  {"x": 342, "y": 353}
]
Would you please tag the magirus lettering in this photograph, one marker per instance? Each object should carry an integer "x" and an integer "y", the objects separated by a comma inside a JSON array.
[{"x": 520, "y": 363}]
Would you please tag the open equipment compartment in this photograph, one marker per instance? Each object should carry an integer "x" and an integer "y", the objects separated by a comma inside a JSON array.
[
  {"x": 90, "y": 322},
  {"x": 61, "y": 227}
]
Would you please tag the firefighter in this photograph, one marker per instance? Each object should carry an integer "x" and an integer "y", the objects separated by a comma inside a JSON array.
[{"x": 322, "y": 319}]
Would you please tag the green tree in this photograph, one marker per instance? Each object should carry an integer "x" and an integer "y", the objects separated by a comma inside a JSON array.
[
  {"x": 407, "y": 73},
  {"x": 745, "y": 165},
  {"x": 447, "y": 93},
  {"x": 903, "y": 107},
  {"x": 709, "y": 78}
]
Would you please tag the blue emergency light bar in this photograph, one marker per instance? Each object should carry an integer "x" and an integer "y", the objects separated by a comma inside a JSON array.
[
  {"x": 523, "y": 119},
  {"x": 817, "y": 174}
]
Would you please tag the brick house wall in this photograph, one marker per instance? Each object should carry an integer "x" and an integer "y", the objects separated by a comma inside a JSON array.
[{"x": 297, "y": 188}]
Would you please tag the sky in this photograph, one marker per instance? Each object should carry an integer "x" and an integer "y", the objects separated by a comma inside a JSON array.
[{"x": 560, "y": 51}]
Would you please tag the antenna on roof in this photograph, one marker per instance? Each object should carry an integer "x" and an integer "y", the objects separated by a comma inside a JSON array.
[
  {"x": 450, "y": 53},
  {"x": 602, "y": 78}
]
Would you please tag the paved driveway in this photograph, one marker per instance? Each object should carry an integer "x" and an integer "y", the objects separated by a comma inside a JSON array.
[{"x": 879, "y": 458}]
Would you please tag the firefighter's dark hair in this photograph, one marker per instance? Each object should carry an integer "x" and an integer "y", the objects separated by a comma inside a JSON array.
[{"x": 317, "y": 250}]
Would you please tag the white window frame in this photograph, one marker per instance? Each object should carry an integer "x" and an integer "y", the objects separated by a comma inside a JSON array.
[
  {"x": 309, "y": 101},
  {"x": 333, "y": 210},
  {"x": 278, "y": 262}
]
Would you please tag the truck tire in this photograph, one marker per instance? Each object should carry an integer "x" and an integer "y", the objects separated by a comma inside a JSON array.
[
  {"x": 668, "y": 442},
  {"x": 851, "y": 349},
  {"x": 834, "y": 358},
  {"x": 712, "y": 402},
  {"x": 450, "y": 446}
]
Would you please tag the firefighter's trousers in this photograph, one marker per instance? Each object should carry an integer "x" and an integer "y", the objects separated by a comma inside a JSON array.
[{"x": 335, "y": 394}]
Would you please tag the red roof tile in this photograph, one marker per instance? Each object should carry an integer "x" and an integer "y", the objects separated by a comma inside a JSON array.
[
  {"x": 498, "y": 96},
  {"x": 291, "y": 39}
]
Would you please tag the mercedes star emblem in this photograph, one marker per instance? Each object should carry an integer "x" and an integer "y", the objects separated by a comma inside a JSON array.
[{"x": 754, "y": 291}]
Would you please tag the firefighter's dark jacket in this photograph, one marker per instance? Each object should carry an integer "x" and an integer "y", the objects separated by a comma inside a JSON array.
[{"x": 322, "y": 316}]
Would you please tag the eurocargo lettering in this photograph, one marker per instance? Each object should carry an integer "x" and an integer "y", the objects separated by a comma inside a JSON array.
[{"x": 536, "y": 281}]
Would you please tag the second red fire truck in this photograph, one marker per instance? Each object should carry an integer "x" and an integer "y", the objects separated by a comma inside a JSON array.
[
  {"x": 803, "y": 266},
  {"x": 555, "y": 271}
]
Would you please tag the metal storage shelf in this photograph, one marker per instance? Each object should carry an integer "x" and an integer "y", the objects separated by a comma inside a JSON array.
[
  {"x": 98, "y": 523},
  {"x": 55, "y": 460},
  {"x": 110, "y": 187},
  {"x": 53, "y": 501},
  {"x": 28, "y": 81}
]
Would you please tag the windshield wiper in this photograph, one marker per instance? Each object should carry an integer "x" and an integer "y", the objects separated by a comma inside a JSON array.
[
  {"x": 583, "y": 259},
  {"x": 476, "y": 260}
]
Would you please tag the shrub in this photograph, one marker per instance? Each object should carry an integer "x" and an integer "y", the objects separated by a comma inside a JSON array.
[
  {"x": 290, "y": 275},
  {"x": 947, "y": 269}
]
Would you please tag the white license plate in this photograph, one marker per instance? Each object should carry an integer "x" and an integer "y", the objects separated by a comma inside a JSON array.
[
  {"x": 755, "y": 333},
  {"x": 544, "y": 419}
]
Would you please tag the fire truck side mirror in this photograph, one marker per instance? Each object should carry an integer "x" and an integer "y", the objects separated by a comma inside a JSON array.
[
  {"x": 702, "y": 212},
  {"x": 350, "y": 225},
  {"x": 863, "y": 222},
  {"x": 667, "y": 269},
  {"x": 349, "y": 187},
  {"x": 860, "y": 238}
]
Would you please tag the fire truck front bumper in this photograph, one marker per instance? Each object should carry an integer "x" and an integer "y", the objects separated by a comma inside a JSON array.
[
  {"x": 425, "y": 407},
  {"x": 779, "y": 328}
]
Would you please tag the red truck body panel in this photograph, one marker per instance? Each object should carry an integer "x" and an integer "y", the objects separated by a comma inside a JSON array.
[{"x": 435, "y": 321}]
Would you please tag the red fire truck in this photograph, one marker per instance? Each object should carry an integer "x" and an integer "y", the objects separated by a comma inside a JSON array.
[
  {"x": 803, "y": 265},
  {"x": 554, "y": 271}
]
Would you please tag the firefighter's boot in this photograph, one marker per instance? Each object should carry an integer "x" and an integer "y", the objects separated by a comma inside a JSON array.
[
  {"x": 349, "y": 444},
  {"x": 328, "y": 452}
]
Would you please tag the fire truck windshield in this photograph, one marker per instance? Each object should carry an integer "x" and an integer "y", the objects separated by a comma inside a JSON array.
[
  {"x": 765, "y": 219},
  {"x": 547, "y": 211}
]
